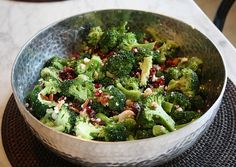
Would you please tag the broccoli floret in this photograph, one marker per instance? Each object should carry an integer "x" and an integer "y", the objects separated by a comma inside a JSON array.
[
  {"x": 153, "y": 111},
  {"x": 117, "y": 100},
  {"x": 51, "y": 86},
  {"x": 158, "y": 58},
  {"x": 141, "y": 53},
  {"x": 178, "y": 98},
  {"x": 144, "y": 133},
  {"x": 109, "y": 40},
  {"x": 95, "y": 35},
  {"x": 92, "y": 68},
  {"x": 194, "y": 63},
  {"x": 183, "y": 117},
  {"x": 129, "y": 41},
  {"x": 57, "y": 62},
  {"x": 198, "y": 103},
  {"x": 47, "y": 119},
  {"x": 145, "y": 66},
  {"x": 79, "y": 88},
  {"x": 169, "y": 49},
  {"x": 84, "y": 129},
  {"x": 159, "y": 130},
  {"x": 120, "y": 64},
  {"x": 65, "y": 120},
  {"x": 188, "y": 84},
  {"x": 173, "y": 73},
  {"x": 49, "y": 72},
  {"x": 38, "y": 109},
  {"x": 130, "y": 87},
  {"x": 115, "y": 132},
  {"x": 106, "y": 81}
]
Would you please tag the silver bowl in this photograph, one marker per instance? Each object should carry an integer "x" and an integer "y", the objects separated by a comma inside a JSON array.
[{"x": 64, "y": 36}]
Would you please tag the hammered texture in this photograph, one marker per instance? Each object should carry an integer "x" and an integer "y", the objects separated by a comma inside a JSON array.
[
  {"x": 217, "y": 147},
  {"x": 61, "y": 38}
]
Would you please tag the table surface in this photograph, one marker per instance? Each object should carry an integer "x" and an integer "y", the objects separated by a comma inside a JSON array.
[{"x": 21, "y": 20}]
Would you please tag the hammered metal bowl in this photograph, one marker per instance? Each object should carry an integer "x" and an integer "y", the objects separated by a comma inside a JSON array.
[{"x": 64, "y": 36}]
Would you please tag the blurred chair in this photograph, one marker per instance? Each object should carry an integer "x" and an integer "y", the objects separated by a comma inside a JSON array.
[{"x": 222, "y": 12}]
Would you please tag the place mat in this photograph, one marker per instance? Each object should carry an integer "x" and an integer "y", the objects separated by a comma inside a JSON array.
[{"x": 217, "y": 147}]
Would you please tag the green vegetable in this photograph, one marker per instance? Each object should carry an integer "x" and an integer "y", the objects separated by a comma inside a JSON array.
[
  {"x": 117, "y": 98},
  {"x": 130, "y": 87},
  {"x": 153, "y": 111},
  {"x": 145, "y": 66},
  {"x": 169, "y": 49},
  {"x": 115, "y": 132},
  {"x": 159, "y": 130},
  {"x": 79, "y": 89},
  {"x": 183, "y": 117},
  {"x": 188, "y": 84},
  {"x": 51, "y": 86},
  {"x": 92, "y": 68},
  {"x": 84, "y": 129},
  {"x": 194, "y": 63},
  {"x": 158, "y": 58},
  {"x": 65, "y": 120},
  {"x": 109, "y": 40},
  {"x": 39, "y": 109},
  {"x": 95, "y": 35},
  {"x": 57, "y": 62},
  {"x": 173, "y": 73},
  {"x": 178, "y": 98},
  {"x": 120, "y": 64},
  {"x": 49, "y": 72}
]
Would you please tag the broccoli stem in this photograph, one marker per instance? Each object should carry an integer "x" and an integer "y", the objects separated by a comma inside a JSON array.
[
  {"x": 130, "y": 94},
  {"x": 165, "y": 119},
  {"x": 103, "y": 117},
  {"x": 145, "y": 66},
  {"x": 159, "y": 130}
]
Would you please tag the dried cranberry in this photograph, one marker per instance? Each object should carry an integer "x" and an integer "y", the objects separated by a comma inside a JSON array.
[
  {"x": 101, "y": 54},
  {"x": 97, "y": 85},
  {"x": 153, "y": 71},
  {"x": 157, "y": 46},
  {"x": 98, "y": 94},
  {"x": 110, "y": 53},
  {"x": 68, "y": 73},
  {"x": 172, "y": 62},
  {"x": 158, "y": 82},
  {"x": 91, "y": 113},
  {"x": 162, "y": 67},
  {"x": 75, "y": 55}
]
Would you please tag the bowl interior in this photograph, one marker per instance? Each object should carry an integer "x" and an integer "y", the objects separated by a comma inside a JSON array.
[{"x": 63, "y": 37}]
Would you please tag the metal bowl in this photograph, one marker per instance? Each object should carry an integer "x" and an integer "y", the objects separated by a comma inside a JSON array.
[{"x": 62, "y": 37}]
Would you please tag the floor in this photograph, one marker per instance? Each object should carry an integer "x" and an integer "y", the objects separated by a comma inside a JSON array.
[{"x": 210, "y": 7}]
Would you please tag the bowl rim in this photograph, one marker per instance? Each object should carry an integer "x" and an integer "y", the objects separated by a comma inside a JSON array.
[{"x": 138, "y": 141}]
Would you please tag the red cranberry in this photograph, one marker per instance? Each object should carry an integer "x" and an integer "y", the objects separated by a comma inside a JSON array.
[
  {"x": 158, "y": 82},
  {"x": 68, "y": 73},
  {"x": 97, "y": 85},
  {"x": 172, "y": 62},
  {"x": 98, "y": 94}
]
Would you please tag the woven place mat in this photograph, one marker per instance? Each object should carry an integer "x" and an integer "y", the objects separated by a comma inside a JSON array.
[{"x": 217, "y": 147}]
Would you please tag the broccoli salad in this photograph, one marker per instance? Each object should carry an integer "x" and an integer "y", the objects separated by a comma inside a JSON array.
[{"x": 118, "y": 86}]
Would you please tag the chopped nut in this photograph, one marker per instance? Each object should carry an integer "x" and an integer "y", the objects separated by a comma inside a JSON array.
[
  {"x": 129, "y": 102},
  {"x": 126, "y": 114},
  {"x": 154, "y": 105},
  {"x": 147, "y": 92},
  {"x": 179, "y": 109}
]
